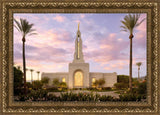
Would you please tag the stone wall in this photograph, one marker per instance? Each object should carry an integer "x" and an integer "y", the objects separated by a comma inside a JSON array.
[
  {"x": 59, "y": 75},
  {"x": 110, "y": 78}
]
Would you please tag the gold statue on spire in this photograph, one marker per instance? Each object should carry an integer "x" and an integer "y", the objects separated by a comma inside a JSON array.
[{"x": 78, "y": 25}]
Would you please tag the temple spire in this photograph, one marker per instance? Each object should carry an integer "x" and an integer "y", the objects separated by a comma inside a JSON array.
[{"x": 78, "y": 54}]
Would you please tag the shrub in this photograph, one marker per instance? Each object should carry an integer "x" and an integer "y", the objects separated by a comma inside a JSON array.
[
  {"x": 142, "y": 88},
  {"x": 106, "y": 98},
  {"x": 52, "y": 97},
  {"x": 45, "y": 80},
  {"x": 63, "y": 85},
  {"x": 137, "y": 93},
  {"x": 123, "y": 79},
  {"x": 18, "y": 77},
  {"x": 52, "y": 89},
  {"x": 122, "y": 82},
  {"x": 23, "y": 98},
  {"x": 37, "y": 84},
  {"x": 131, "y": 97},
  {"x": 99, "y": 83},
  {"x": 97, "y": 96},
  {"x": 120, "y": 85},
  {"x": 79, "y": 97},
  {"x": 107, "y": 88},
  {"x": 127, "y": 97},
  {"x": 37, "y": 95},
  {"x": 68, "y": 97},
  {"x": 56, "y": 82},
  {"x": 29, "y": 85}
]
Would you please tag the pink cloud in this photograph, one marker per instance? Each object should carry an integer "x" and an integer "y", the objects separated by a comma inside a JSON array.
[
  {"x": 118, "y": 64},
  {"x": 140, "y": 37},
  {"x": 49, "y": 38},
  {"x": 59, "y": 18},
  {"x": 82, "y": 15},
  {"x": 109, "y": 49}
]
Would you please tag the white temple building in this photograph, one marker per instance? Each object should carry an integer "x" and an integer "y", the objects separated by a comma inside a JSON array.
[{"x": 78, "y": 75}]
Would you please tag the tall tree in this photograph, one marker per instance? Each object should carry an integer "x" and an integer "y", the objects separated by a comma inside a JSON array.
[
  {"x": 31, "y": 75},
  {"x": 138, "y": 64},
  {"x": 25, "y": 28},
  {"x": 130, "y": 22},
  {"x": 38, "y": 74}
]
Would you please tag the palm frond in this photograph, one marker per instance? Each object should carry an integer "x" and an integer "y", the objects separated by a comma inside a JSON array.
[
  {"x": 139, "y": 63},
  {"x": 18, "y": 25},
  {"x": 32, "y": 34},
  {"x": 140, "y": 22},
  {"x": 24, "y": 27},
  {"x": 17, "y": 28},
  {"x": 124, "y": 28},
  {"x": 130, "y": 22}
]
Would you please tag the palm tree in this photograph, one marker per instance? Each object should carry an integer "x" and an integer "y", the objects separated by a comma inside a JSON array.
[
  {"x": 38, "y": 74},
  {"x": 31, "y": 75},
  {"x": 130, "y": 22},
  {"x": 138, "y": 64},
  {"x": 25, "y": 29}
]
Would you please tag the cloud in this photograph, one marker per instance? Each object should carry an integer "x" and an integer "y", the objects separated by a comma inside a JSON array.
[
  {"x": 140, "y": 37},
  {"x": 59, "y": 18},
  {"x": 48, "y": 53},
  {"x": 56, "y": 38},
  {"x": 82, "y": 15},
  {"x": 119, "y": 65},
  {"x": 109, "y": 49}
]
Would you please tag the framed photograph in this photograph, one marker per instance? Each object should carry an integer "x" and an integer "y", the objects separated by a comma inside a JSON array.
[{"x": 79, "y": 57}]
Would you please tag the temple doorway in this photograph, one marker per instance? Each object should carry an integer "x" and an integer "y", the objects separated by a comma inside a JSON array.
[{"x": 78, "y": 79}]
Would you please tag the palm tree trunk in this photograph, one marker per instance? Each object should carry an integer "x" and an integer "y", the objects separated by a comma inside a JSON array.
[
  {"x": 38, "y": 76},
  {"x": 24, "y": 65},
  {"x": 31, "y": 77},
  {"x": 138, "y": 74},
  {"x": 130, "y": 65}
]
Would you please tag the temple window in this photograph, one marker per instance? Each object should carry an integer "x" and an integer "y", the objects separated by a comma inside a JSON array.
[
  {"x": 63, "y": 79},
  {"x": 93, "y": 80}
]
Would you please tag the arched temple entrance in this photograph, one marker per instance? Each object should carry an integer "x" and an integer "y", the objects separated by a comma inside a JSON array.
[{"x": 78, "y": 79}]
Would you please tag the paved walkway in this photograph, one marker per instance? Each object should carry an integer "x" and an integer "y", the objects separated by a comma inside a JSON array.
[{"x": 108, "y": 93}]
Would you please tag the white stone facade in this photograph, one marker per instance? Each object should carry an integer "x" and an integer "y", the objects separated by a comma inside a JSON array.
[{"x": 78, "y": 75}]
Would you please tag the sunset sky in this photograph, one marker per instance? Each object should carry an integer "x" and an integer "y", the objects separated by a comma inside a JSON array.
[{"x": 105, "y": 46}]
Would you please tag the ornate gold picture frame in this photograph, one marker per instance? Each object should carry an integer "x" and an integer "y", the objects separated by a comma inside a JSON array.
[{"x": 9, "y": 7}]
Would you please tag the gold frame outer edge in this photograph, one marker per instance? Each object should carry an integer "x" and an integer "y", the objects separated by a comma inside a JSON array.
[{"x": 9, "y": 106}]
